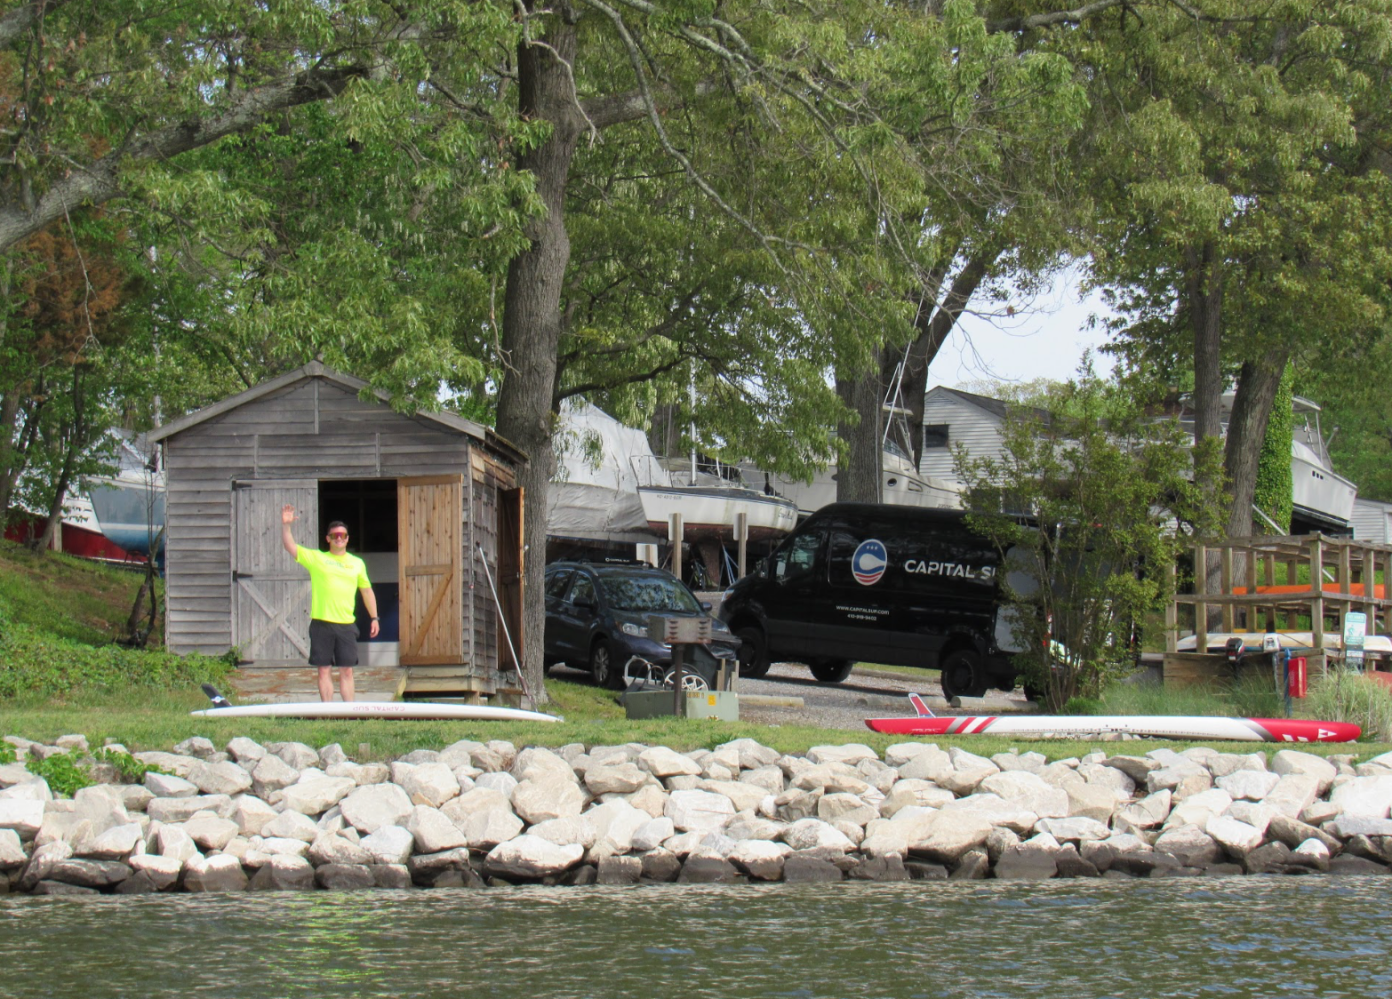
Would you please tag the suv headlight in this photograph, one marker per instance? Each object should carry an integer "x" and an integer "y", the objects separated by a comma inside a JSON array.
[{"x": 636, "y": 630}]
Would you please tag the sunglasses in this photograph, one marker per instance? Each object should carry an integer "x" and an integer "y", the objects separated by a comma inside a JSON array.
[{"x": 339, "y": 535}]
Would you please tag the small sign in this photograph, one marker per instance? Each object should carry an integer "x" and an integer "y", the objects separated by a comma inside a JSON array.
[
  {"x": 1355, "y": 629},
  {"x": 680, "y": 630}
]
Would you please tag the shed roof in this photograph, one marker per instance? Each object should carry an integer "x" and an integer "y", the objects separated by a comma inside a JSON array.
[{"x": 316, "y": 369}]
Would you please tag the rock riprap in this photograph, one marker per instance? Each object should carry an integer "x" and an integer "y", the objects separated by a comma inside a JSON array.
[{"x": 287, "y": 817}]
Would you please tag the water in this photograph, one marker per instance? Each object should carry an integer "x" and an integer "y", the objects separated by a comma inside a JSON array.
[{"x": 1232, "y": 938}]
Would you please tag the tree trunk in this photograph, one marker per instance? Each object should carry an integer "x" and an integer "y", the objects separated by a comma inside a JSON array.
[
  {"x": 532, "y": 307},
  {"x": 859, "y": 475},
  {"x": 1204, "y": 291},
  {"x": 1256, "y": 391}
]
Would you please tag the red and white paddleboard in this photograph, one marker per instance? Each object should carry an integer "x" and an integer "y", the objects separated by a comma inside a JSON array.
[{"x": 1186, "y": 727}]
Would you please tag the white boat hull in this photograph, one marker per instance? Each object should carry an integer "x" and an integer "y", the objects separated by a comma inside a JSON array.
[
  {"x": 710, "y": 511},
  {"x": 401, "y": 710}
]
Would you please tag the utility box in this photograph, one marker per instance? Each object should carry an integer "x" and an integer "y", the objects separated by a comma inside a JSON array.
[
  {"x": 721, "y": 705},
  {"x": 680, "y": 630}
]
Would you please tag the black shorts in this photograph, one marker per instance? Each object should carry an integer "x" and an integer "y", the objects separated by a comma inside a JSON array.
[{"x": 332, "y": 644}]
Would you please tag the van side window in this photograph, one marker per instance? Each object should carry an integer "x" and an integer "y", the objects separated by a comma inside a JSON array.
[
  {"x": 798, "y": 558},
  {"x": 583, "y": 590}
]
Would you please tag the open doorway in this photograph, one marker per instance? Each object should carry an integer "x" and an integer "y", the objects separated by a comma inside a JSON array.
[{"x": 369, "y": 508}]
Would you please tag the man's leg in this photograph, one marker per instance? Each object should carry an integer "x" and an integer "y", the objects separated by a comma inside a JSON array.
[
  {"x": 326, "y": 683},
  {"x": 345, "y": 682}
]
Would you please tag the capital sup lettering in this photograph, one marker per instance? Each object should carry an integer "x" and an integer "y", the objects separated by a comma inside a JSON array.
[{"x": 951, "y": 570}]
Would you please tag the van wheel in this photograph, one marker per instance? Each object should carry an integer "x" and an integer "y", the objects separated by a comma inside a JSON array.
[
  {"x": 753, "y": 652},
  {"x": 831, "y": 670},
  {"x": 963, "y": 674}
]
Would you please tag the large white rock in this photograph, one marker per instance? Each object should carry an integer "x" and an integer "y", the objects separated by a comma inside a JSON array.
[
  {"x": 487, "y": 829},
  {"x": 653, "y": 833},
  {"x": 278, "y": 846},
  {"x": 219, "y": 778},
  {"x": 576, "y": 829},
  {"x": 369, "y": 808},
  {"x": 170, "y": 786},
  {"x": 1293, "y": 793},
  {"x": 430, "y": 784},
  {"x": 997, "y": 811},
  {"x": 615, "y": 824},
  {"x": 1248, "y": 785},
  {"x": 219, "y": 873},
  {"x": 24, "y": 817},
  {"x": 389, "y": 845},
  {"x": 292, "y": 825},
  {"x": 532, "y": 857},
  {"x": 759, "y": 858},
  {"x": 662, "y": 762},
  {"x": 1293, "y": 761},
  {"x": 116, "y": 843},
  {"x": 1224, "y": 764},
  {"x": 752, "y": 753},
  {"x": 1074, "y": 829},
  {"x": 812, "y": 834},
  {"x": 547, "y": 796},
  {"x": 699, "y": 811},
  {"x": 34, "y": 789},
  {"x": 295, "y": 754},
  {"x": 1364, "y": 797},
  {"x": 1190, "y": 845},
  {"x": 1197, "y": 809},
  {"x": 14, "y": 773},
  {"x": 42, "y": 862},
  {"x": 534, "y": 763},
  {"x": 245, "y": 750},
  {"x": 849, "y": 754},
  {"x": 832, "y": 778},
  {"x": 1097, "y": 775},
  {"x": 171, "y": 841},
  {"x": 1238, "y": 838},
  {"x": 914, "y": 791},
  {"x": 271, "y": 773},
  {"x": 926, "y": 763},
  {"x": 317, "y": 795},
  {"x": 333, "y": 849},
  {"x": 170, "y": 763},
  {"x": 1028, "y": 791},
  {"x": 210, "y": 832},
  {"x": 162, "y": 872},
  {"x": 434, "y": 832},
  {"x": 251, "y": 814},
  {"x": 842, "y": 807},
  {"x": 501, "y": 781},
  {"x": 947, "y": 834},
  {"x": 742, "y": 794},
  {"x": 617, "y": 777},
  {"x": 11, "y": 850},
  {"x": 1093, "y": 801},
  {"x": 102, "y": 805}
]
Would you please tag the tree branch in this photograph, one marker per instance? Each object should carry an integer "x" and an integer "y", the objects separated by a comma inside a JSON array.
[{"x": 100, "y": 181}]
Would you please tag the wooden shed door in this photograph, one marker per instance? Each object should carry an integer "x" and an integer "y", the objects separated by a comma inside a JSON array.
[
  {"x": 270, "y": 591},
  {"x": 430, "y": 512},
  {"x": 510, "y": 548}
]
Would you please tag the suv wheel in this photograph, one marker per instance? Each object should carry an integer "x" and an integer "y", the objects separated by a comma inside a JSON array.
[
  {"x": 963, "y": 674},
  {"x": 753, "y": 651},
  {"x": 606, "y": 674},
  {"x": 831, "y": 670}
]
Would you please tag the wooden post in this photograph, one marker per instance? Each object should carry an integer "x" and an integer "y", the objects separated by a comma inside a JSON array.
[
  {"x": 1226, "y": 582},
  {"x": 1200, "y": 607},
  {"x": 674, "y": 535},
  {"x": 1171, "y": 612},
  {"x": 742, "y": 536},
  {"x": 1316, "y": 548}
]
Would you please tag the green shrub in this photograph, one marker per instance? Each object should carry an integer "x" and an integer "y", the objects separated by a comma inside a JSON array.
[
  {"x": 1348, "y": 697},
  {"x": 1082, "y": 706},
  {"x": 128, "y": 769},
  {"x": 7, "y": 753},
  {"x": 34, "y": 662},
  {"x": 64, "y": 774}
]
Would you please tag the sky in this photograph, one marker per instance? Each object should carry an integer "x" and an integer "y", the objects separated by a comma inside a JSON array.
[{"x": 1045, "y": 338}]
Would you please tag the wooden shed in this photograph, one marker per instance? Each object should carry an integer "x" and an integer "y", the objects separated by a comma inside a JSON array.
[{"x": 431, "y": 505}]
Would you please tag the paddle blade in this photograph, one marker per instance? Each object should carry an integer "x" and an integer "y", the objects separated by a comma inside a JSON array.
[{"x": 218, "y": 700}]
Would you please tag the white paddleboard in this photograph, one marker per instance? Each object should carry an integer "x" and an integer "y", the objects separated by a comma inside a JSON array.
[{"x": 403, "y": 710}]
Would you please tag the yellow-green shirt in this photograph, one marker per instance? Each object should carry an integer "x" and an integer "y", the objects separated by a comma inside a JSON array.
[{"x": 334, "y": 583}]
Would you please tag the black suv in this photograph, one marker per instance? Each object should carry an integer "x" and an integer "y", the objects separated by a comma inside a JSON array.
[{"x": 597, "y": 616}]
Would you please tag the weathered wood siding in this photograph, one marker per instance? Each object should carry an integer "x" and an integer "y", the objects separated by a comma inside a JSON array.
[
  {"x": 968, "y": 425},
  {"x": 312, "y": 429}
]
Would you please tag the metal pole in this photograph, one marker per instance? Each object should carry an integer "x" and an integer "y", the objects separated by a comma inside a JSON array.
[
  {"x": 502, "y": 619},
  {"x": 678, "y": 656},
  {"x": 674, "y": 535},
  {"x": 742, "y": 536}
]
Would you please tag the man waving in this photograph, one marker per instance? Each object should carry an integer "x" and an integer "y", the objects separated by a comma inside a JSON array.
[{"x": 333, "y": 576}]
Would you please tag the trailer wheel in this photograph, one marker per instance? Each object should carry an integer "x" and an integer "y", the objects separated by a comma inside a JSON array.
[
  {"x": 963, "y": 674},
  {"x": 831, "y": 670},
  {"x": 753, "y": 651}
]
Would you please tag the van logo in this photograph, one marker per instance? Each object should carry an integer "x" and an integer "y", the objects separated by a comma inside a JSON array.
[{"x": 869, "y": 562}]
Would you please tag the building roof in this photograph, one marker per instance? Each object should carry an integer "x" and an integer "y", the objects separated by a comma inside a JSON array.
[
  {"x": 316, "y": 369},
  {"x": 998, "y": 408}
]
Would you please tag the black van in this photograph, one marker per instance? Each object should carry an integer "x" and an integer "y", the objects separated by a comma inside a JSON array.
[{"x": 884, "y": 584}]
